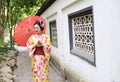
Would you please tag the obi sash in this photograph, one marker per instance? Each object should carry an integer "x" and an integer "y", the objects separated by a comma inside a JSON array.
[{"x": 39, "y": 51}]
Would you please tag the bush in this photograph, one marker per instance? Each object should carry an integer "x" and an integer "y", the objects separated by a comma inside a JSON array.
[
  {"x": 3, "y": 44},
  {"x": 4, "y": 47}
]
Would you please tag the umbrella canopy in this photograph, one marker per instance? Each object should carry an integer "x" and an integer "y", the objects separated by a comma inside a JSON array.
[{"x": 25, "y": 29}]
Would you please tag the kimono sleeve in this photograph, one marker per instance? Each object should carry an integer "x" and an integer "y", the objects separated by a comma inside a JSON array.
[
  {"x": 47, "y": 44},
  {"x": 30, "y": 43}
]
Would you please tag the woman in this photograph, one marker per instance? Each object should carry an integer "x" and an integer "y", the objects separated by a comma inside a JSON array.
[{"x": 39, "y": 49}]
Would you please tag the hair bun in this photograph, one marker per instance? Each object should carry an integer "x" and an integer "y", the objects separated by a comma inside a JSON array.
[{"x": 41, "y": 24}]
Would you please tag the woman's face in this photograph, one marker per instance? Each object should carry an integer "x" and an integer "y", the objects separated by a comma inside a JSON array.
[{"x": 37, "y": 29}]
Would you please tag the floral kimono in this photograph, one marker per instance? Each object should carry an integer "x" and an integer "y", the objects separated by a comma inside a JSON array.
[{"x": 40, "y": 56}]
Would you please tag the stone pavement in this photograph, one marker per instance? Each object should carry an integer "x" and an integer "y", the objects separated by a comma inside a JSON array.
[{"x": 23, "y": 71}]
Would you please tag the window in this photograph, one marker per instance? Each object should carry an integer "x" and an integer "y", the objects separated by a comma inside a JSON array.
[
  {"x": 81, "y": 32},
  {"x": 53, "y": 33}
]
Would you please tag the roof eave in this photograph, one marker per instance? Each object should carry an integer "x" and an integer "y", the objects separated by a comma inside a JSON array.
[{"x": 45, "y": 5}]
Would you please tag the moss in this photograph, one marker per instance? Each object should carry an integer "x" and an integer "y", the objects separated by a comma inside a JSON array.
[
  {"x": 56, "y": 59},
  {"x": 55, "y": 62},
  {"x": 71, "y": 72},
  {"x": 75, "y": 75}
]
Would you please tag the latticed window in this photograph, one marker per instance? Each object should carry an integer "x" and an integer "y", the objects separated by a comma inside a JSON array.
[
  {"x": 53, "y": 33},
  {"x": 81, "y": 30}
]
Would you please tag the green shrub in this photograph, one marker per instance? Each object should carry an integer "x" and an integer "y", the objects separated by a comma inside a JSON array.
[
  {"x": 3, "y": 44},
  {"x": 4, "y": 47}
]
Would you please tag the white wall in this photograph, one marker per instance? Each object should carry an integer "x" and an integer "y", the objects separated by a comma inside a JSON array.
[
  {"x": 107, "y": 40},
  {"x": 107, "y": 31}
]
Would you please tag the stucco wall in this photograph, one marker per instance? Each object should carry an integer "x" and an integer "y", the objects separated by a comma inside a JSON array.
[{"x": 107, "y": 30}]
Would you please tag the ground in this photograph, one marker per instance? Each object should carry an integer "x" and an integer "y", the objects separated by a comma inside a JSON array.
[{"x": 23, "y": 71}]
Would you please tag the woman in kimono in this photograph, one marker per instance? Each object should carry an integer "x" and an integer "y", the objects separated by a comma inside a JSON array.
[{"x": 39, "y": 49}]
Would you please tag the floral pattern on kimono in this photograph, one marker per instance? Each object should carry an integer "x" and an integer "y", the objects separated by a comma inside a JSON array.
[{"x": 40, "y": 62}]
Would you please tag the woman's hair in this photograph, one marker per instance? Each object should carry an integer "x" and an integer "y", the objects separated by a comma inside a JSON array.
[{"x": 40, "y": 24}]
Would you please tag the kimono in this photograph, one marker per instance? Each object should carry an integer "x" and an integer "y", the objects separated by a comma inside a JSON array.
[{"x": 39, "y": 56}]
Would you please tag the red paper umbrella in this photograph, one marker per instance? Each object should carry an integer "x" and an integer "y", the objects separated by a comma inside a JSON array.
[{"x": 25, "y": 29}]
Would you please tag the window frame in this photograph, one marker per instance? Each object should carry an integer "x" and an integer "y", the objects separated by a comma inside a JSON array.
[
  {"x": 73, "y": 51},
  {"x": 53, "y": 21}
]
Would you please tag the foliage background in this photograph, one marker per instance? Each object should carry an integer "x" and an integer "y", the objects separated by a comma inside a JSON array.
[{"x": 12, "y": 12}]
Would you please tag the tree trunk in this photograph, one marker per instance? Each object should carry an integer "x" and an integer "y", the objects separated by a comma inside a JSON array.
[
  {"x": 2, "y": 18},
  {"x": 11, "y": 41}
]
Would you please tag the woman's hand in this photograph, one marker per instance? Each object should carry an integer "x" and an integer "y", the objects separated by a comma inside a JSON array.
[{"x": 39, "y": 44}]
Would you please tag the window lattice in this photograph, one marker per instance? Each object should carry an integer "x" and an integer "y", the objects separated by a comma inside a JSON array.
[
  {"x": 83, "y": 34},
  {"x": 54, "y": 33}
]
